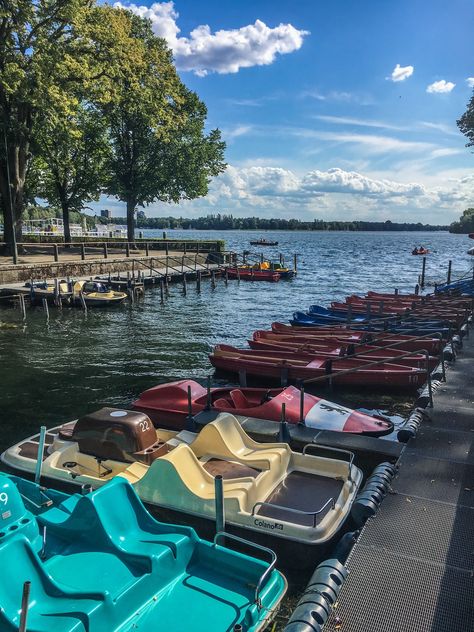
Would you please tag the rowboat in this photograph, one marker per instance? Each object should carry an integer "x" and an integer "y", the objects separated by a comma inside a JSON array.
[
  {"x": 291, "y": 366},
  {"x": 347, "y": 336},
  {"x": 294, "y": 503},
  {"x": 249, "y": 274},
  {"x": 167, "y": 406},
  {"x": 334, "y": 350},
  {"x": 99, "y": 561},
  {"x": 97, "y": 294},
  {"x": 263, "y": 242}
]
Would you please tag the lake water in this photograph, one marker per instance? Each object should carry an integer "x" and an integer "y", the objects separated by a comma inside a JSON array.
[{"x": 53, "y": 373}]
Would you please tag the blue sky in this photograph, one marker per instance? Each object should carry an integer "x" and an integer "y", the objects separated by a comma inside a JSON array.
[{"x": 316, "y": 124}]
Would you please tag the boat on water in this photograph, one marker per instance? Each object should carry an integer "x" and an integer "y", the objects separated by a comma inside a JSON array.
[
  {"x": 420, "y": 251},
  {"x": 167, "y": 405},
  {"x": 285, "y": 273},
  {"x": 293, "y": 366},
  {"x": 53, "y": 293},
  {"x": 249, "y": 274},
  {"x": 349, "y": 336},
  {"x": 263, "y": 242},
  {"x": 99, "y": 561},
  {"x": 97, "y": 294},
  {"x": 294, "y": 503}
]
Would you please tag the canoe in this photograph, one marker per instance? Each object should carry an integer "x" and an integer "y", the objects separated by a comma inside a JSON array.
[
  {"x": 294, "y": 503},
  {"x": 287, "y": 365},
  {"x": 348, "y": 336},
  {"x": 97, "y": 294},
  {"x": 248, "y": 274},
  {"x": 100, "y": 561},
  {"x": 334, "y": 350},
  {"x": 167, "y": 406}
]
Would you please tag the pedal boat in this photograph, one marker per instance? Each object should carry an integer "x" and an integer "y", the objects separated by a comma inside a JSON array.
[
  {"x": 97, "y": 294},
  {"x": 167, "y": 405},
  {"x": 100, "y": 561},
  {"x": 294, "y": 503}
]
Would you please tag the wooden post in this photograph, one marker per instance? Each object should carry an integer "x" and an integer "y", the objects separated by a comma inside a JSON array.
[
  {"x": 166, "y": 247},
  {"x": 56, "y": 252},
  {"x": 423, "y": 271},
  {"x": 281, "y": 259},
  {"x": 162, "y": 294},
  {"x": 294, "y": 262},
  {"x": 450, "y": 263},
  {"x": 46, "y": 308},
  {"x": 226, "y": 276},
  {"x": 105, "y": 250},
  {"x": 167, "y": 286},
  {"x": 185, "y": 284},
  {"x": 261, "y": 257},
  {"x": 198, "y": 280},
  {"x": 21, "y": 300},
  {"x": 147, "y": 249},
  {"x": 213, "y": 279},
  {"x": 83, "y": 251},
  {"x": 127, "y": 249}
]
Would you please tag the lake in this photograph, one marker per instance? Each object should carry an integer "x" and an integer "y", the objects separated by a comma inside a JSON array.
[{"x": 53, "y": 373}]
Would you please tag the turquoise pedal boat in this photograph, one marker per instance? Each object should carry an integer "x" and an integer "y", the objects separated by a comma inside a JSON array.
[{"x": 99, "y": 562}]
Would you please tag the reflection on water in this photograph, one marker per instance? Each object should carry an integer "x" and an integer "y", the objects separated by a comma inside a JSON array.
[{"x": 54, "y": 373}]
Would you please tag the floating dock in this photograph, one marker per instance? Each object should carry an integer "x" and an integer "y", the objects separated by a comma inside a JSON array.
[{"x": 412, "y": 568}]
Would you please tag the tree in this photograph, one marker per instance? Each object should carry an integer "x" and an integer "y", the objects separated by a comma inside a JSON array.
[
  {"x": 466, "y": 123},
  {"x": 465, "y": 223},
  {"x": 72, "y": 156},
  {"x": 159, "y": 149}
]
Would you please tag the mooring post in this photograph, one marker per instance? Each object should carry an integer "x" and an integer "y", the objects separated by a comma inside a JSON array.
[
  {"x": 127, "y": 249},
  {"x": 162, "y": 293},
  {"x": 198, "y": 280},
  {"x": 83, "y": 301},
  {"x": 396, "y": 291},
  {"x": 417, "y": 289},
  {"x": 25, "y": 598},
  {"x": 450, "y": 263},
  {"x": 185, "y": 284},
  {"x": 226, "y": 276},
  {"x": 147, "y": 249},
  {"x": 56, "y": 252},
  {"x": 261, "y": 257},
  {"x": 283, "y": 428},
  {"x": 83, "y": 251},
  {"x": 213, "y": 279},
  {"x": 106, "y": 254},
  {"x": 167, "y": 286},
  {"x": 167, "y": 248},
  {"x": 46, "y": 308},
  {"x": 294, "y": 262},
  {"x": 281, "y": 259},
  {"x": 423, "y": 271},
  {"x": 219, "y": 496},
  {"x": 238, "y": 275},
  {"x": 39, "y": 454}
]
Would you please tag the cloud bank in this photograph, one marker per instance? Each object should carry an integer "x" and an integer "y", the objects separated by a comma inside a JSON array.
[
  {"x": 400, "y": 73},
  {"x": 440, "y": 87},
  {"x": 224, "y": 51}
]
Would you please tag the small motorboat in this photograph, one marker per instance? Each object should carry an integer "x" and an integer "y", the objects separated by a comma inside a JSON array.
[
  {"x": 97, "y": 294},
  {"x": 249, "y": 274},
  {"x": 263, "y": 242},
  {"x": 420, "y": 251},
  {"x": 292, "y": 366},
  {"x": 167, "y": 405},
  {"x": 99, "y": 561},
  {"x": 294, "y": 503}
]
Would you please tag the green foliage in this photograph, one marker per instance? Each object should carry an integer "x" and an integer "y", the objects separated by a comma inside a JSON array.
[
  {"x": 465, "y": 223},
  {"x": 466, "y": 123}
]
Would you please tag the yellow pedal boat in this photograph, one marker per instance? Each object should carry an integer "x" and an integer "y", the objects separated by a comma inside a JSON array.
[{"x": 97, "y": 294}]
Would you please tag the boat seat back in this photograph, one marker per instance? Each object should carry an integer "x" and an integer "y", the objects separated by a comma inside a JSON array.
[
  {"x": 223, "y": 404},
  {"x": 239, "y": 398},
  {"x": 225, "y": 437},
  {"x": 14, "y": 517}
]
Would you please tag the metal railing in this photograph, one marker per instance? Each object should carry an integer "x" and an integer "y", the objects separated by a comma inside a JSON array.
[
  {"x": 330, "y": 449},
  {"x": 311, "y": 514}
]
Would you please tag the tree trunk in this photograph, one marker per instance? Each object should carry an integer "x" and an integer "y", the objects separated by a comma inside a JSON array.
[
  {"x": 67, "y": 228},
  {"x": 131, "y": 206}
]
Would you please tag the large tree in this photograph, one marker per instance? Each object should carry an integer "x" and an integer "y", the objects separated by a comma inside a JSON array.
[
  {"x": 466, "y": 122},
  {"x": 71, "y": 160},
  {"x": 159, "y": 148}
]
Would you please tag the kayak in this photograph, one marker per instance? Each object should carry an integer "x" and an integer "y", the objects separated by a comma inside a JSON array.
[
  {"x": 167, "y": 405},
  {"x": 287, "y": 365}
]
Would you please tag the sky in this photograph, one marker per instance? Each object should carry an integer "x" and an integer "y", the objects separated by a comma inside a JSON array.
[{"x": 331, "y": 109}]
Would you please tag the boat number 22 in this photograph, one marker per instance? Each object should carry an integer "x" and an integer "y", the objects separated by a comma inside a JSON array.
[
  {"x": 144, "y": 426},
  {"x": 4, "y": 498}
]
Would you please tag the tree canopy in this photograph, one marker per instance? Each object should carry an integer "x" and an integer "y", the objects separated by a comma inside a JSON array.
[{"x": 465, "y": 223}]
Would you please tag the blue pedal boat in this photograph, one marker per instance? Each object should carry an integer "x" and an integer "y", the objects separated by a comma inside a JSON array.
[{"x": 99, "y": 562}]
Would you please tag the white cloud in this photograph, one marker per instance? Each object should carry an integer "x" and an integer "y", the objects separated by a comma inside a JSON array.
[
  {"x": 224, "y": 51},
  {"x": 338, "y": 96},
  {"x": 470, "y": 82},
  {"x": 344, "y": 120},
  {"x": 400, "y": 73},
  {"x": 375, "y": 144},
  {"x": 235, "y": 132},
  {"x": 440, "y": 87}
]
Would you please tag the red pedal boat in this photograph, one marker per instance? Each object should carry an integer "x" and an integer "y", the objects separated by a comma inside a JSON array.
[
  {"x": 249, "y": 274},
  {"x": 167, "y": 405},
  {"x": 300, "y": 366}
]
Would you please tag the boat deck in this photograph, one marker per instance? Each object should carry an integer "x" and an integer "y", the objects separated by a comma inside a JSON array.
[{"x": 412, "y": 569}]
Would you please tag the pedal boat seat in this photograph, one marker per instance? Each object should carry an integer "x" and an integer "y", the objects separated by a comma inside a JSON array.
[{"x": 239, "y": 399}]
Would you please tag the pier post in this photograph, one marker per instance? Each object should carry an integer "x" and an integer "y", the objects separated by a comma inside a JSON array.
[
  {"x": 105, "y": 250},
  {"x": 423, "y": 271},
  {"x": 219, "y": 495},
  {"x": 56, "y": 252},
  {"x": 213, "y": 279},
  {"x": 167, "y": 250},
  {"x": 450, "y": 263},
  {"x": 294, "y": 262},
  {"x": 167, "y": 286},
  {"x": 46, "y": 308},
  {"x": 127, "y": 249},
  {"x": 226, "y": 276},
  {"x": 281, "y": 259},
  {"x": 83, "y": 252},
  {"x": 21, "y": 300},
  {"x": 185, "y": 284},
  {"x": 147, "y": 249},
  {"x": 198, "y": 280},
  {"x": 162, "y": 292}
]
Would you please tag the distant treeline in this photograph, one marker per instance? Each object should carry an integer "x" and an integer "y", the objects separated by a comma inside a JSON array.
[{"x": 229, "y": 222}]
